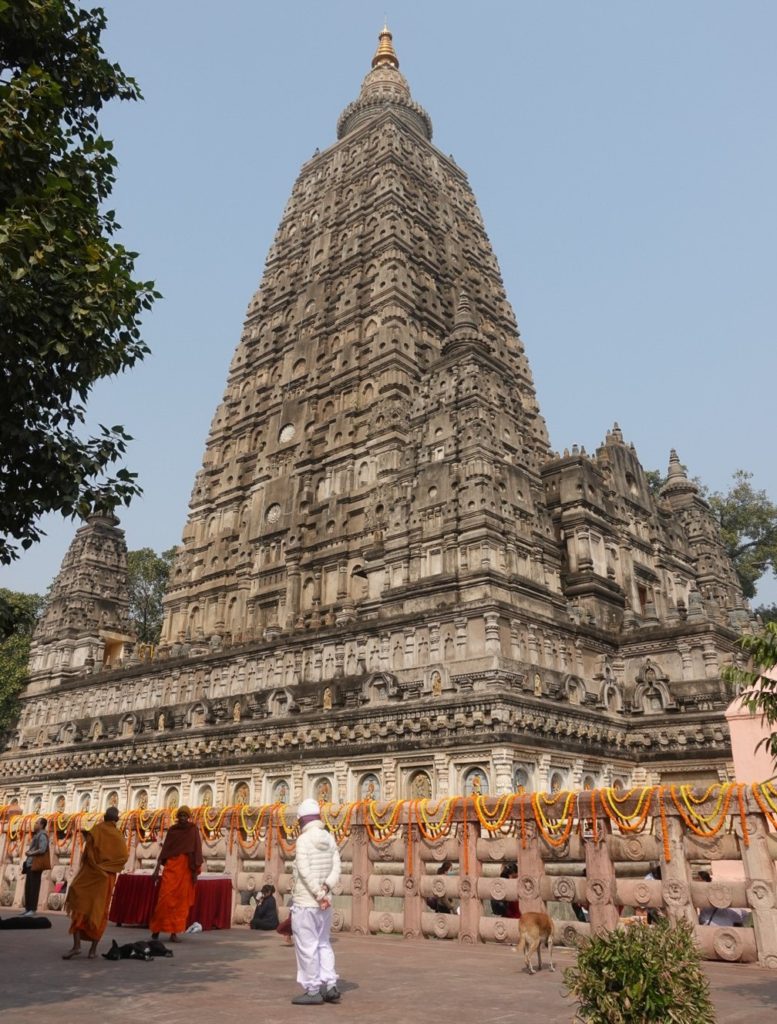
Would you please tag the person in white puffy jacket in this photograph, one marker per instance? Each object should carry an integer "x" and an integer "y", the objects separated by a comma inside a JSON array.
[{"x": 316, "y": 873}]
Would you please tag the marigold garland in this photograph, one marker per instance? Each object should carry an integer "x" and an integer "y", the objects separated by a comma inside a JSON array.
[
  {"x": 288, "y": 848},
  {"x": 494, "y": 820},
  {"x": 633, "y": 822},
  {"x": 382, "y": 831},
  {"x": 705, "y": 830},
  {"x": 691, "y": 802},
  {"x": 439, "y": 828},
  {"x": 554, "y": 816},
  {"x": 340, "y": 828},
  {"x": 743, "y": 813},
  {"x": 763, "y": 800},
  {"x": 465, "y": 836},
  {"x": 563, "y": 823},
  {"x": 410, "y": 806}
]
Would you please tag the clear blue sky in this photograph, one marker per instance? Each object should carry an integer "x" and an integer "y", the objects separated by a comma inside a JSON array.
[{"x": 624, "y": 156}]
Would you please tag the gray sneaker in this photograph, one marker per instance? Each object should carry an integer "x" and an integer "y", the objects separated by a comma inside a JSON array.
[
  {"x": 331, "y": 994},
  {"x": 308, "y": 999}
]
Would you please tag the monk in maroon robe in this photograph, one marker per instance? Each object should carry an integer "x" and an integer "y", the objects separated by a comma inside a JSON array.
[{"x": 180, "y": 861}]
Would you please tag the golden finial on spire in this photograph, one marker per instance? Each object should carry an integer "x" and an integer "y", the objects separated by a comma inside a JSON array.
[{"x": 385, "y": 55}]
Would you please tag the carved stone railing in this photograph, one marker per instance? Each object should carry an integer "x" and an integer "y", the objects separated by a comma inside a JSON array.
[{"x": 590, "y": 849}]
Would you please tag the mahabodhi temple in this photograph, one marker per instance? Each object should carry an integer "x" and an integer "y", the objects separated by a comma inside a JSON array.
[{"x": 389, "y": 588}]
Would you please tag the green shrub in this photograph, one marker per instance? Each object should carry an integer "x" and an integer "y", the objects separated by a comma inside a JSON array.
[{"x": 640, "y": 975}]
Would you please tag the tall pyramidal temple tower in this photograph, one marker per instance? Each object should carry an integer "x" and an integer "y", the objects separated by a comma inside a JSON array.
[
  {"x": 379, "y": 445},
  {"x": 388, "y": 583}
]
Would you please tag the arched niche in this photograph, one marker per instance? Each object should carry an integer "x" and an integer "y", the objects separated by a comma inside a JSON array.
[
  {"x": 323, "y": 790},
  {"x": 522, "y": 779},
  {"x": 475, "y": 781},
  {"x": 280, "y": 792},
  {"x": 369, "y": 787},
  {"x": 241, "y": 792},
  {"x": 419, "y": 785}
]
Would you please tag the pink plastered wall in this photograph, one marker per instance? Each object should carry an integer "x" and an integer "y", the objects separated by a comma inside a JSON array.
[{"x": 750, "y": 764}]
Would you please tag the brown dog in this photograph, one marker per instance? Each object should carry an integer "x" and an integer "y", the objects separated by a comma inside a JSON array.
[{"x": 533, "y": 930}]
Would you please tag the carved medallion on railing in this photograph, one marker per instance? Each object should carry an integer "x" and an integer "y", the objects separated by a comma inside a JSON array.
[
  {"x": 675, "y": 893},
  {"x": 564, "y": 890},
  {"x": 528, "y": 887},
  {"x": 728, "y": 944},
  {"x": 760, "y": 895},
  {"x": 599, "y": 891}
]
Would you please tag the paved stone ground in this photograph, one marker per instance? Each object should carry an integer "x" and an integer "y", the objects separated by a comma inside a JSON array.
[{"x": 238, "y": 976}]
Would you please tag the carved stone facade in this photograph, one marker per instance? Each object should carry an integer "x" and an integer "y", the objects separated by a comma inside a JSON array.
[{"x": 387, "y": 577}]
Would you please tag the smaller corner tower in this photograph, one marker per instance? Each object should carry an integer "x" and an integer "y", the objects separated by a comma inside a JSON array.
[{"x": 86, "y": 622}]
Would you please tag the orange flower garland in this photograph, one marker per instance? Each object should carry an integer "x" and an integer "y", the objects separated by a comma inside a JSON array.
[
  {"x": 761, "y": 792},
  {"x": 341, "y": 827},
  {"x": 743, "y": 813},
  {"x": 563, "y": 823},
  {"x": 664, "y": 826},
  {"x": 384, "y": 829},
  {"x": 435, "y": 829},
  {"x": 410, "y": 807},
  {"x": 691, "y": 817},
  {"x": 554, "y": 815},
  {"x": 493, "y": 821},
  {"x": 634, "y": 822},
  {"x": 465, "y": 836}
]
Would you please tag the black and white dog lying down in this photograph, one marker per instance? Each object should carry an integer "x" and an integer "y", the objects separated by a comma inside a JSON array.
[{"x": 142, "y": 950}]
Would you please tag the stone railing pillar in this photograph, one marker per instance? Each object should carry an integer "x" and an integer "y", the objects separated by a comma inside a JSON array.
[
  {"x": 470, "y": 908},
  {"x": 232, "y": 868},
  {"x": 676, "y": 875},
  {"x": 531, "y": 871},
  {"x": 132, "y": 846},
  {"x": 600, "y": 881},
  {"x": 273, "y": 858},
  {"x": 761, "y": 882},
  {"x": 414, "y": 869},
  {"x": 3, "y": 853},
  {"x": 361, "y": 901}
]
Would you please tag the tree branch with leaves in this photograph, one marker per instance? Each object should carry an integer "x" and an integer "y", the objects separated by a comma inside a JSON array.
[
  {"x": 20, "y": 616},
  {"x": 70, "y": 307},
  {"x": 759, "y": 683},
  {"x": 147, "y": 576}
]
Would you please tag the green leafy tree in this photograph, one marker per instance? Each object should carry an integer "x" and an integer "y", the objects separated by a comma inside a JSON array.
[
  {"x": 641, "y": 975},
  {"x": 148, "y": 574},
  {"x": 767, "y": 612},
  {"x": 69, "y": 306},
  {"x": 748, "y": 525},
  {"x": 759, "y": 689},
  {"x": 21, "y": 615},
  {"x": 655, "y": 481}
]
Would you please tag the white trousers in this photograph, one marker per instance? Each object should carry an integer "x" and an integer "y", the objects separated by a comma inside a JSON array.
[{"x": 315, "y": 957}]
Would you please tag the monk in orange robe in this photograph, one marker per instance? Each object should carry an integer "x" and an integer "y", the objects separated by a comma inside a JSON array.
[
  {"x": 89, "y": 896},
  {"x": 181, "y": 861}
]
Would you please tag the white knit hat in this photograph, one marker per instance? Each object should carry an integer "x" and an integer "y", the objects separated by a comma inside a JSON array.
[{"x": 308, "y": 807}]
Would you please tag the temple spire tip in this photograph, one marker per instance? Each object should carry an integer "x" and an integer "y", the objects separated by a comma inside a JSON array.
[{"x": 385, "y": 55}]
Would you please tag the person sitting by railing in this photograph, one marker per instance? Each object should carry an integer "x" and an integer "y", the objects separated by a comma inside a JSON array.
[
  {"x": 265, "y": 917},
  {"x": 441, "y": 904},
  {"x": 507, "y": 908},
  {"x": 722, "y": 917}
]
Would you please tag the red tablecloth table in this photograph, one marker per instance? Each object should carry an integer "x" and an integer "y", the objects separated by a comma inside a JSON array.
[{"x": 135, "y": 895}]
